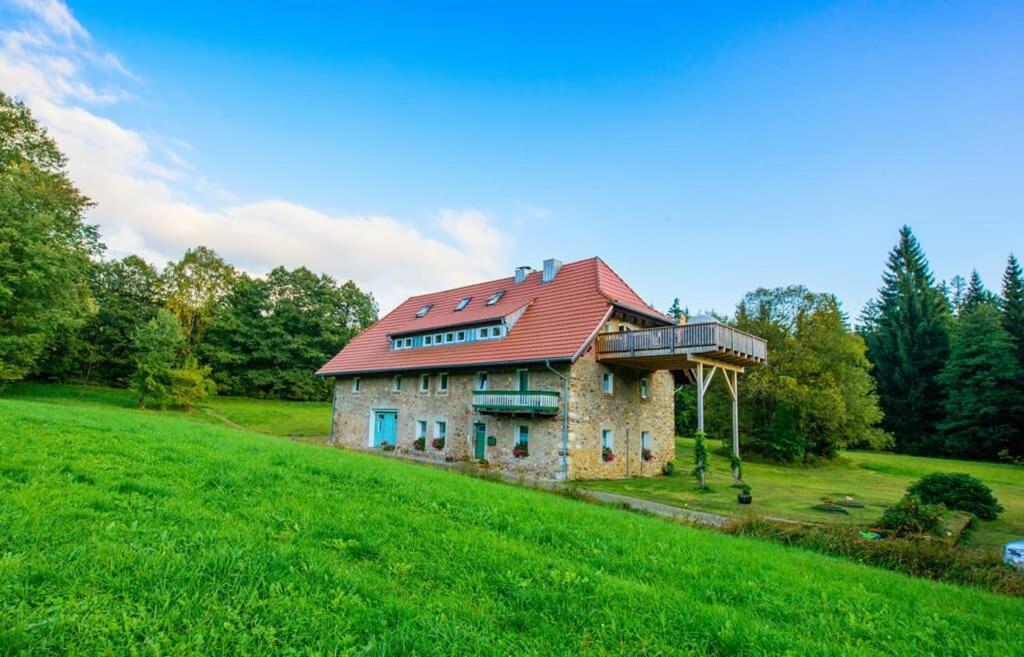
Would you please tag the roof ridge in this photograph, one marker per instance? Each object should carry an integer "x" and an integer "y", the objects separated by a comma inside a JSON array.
[
  {"x": 493, "y": 280},
  {"x": 605, "y": 294}
]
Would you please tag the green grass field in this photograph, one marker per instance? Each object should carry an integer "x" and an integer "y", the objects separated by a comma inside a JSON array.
[
  {"x": 308, "y": 420},
  {"x": 786, "y": 491},
  {"x": 128, "y": 532}
]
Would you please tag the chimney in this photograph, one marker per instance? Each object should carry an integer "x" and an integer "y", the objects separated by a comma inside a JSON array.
[
  {"x": 522, "y": 273},
  {"x": 551, "y": 267}
]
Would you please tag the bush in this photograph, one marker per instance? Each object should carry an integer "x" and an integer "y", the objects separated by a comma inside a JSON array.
[
  {"x": 669, "y": 468},
  {"x": 957, "y": 491},
  {"x": 191, "y": 383},
  {"x": 911, "y": 516}
]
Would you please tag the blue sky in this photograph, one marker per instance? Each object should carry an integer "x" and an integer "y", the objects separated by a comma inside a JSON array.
[{"x": 701, "y": 149}]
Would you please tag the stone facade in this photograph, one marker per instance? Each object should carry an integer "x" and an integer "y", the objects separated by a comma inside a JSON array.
[{"x": 623, "y": 412}]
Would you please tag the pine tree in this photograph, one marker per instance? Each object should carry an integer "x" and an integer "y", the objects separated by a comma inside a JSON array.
[
  {"x": 1013, "y": 306},
  {"x": 906, "y": 332},
  {"x": 984, "y": 409},
  {"x": 975, "y": 295},
  {"x": 958, "y": 287},
  {"x": 676, "y": 311}
]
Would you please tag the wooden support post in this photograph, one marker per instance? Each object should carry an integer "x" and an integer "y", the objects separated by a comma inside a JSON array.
[
  {"x": 735, "y": 423},
  {"x": 700, "y": 397}
]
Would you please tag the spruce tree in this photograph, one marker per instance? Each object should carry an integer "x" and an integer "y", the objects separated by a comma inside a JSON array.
[
  {"x": 676, "y": 311},
  {"x": 1013, "y": 306},
  {"x": 975, "y": 295},
  {"x": 906, "y": 332},
  {"x": 957, "y": 288},
  {"x": 984, "y": 409}
]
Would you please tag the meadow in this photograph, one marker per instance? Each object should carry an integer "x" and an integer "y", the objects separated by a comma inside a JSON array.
[
  {"x": 786, "y": 491},
  {"x": 124, "y": 531}
]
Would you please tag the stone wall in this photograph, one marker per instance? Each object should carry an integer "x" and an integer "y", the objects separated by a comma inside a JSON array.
[
  {"x": 625, "y": 413},
  {"x": 352, "y": 419}
]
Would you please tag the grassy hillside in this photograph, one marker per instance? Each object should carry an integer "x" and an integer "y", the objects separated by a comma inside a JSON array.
[
  {"x": 271, "y": 416},
  {"x": 123, "y": 531},
  {"x": 787, "y": 491}
]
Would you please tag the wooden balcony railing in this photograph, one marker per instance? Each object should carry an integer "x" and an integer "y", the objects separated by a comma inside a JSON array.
[
  {"x": 537, "y": 402},
  {"x": 704, "y": 338}
]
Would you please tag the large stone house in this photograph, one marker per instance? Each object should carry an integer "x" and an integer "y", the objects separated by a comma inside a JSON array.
[{"x": 563, "y": 373}]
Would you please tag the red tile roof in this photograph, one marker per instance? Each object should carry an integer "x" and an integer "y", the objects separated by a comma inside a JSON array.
[{"x": 561, "y": 317}]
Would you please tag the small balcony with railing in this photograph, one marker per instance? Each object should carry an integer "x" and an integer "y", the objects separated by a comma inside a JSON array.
[
  {"x": 516, "y": 402},
  {"x": 682, "y": 347}
]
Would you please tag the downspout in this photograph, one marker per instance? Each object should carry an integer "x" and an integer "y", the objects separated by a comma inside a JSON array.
[
  {"x": 565, "y": 421},
  {"x": 334, "y": 407}
]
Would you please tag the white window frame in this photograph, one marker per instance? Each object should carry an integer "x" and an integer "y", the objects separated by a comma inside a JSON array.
[
  {"x": 463, "y": 302},
  {"x": 517, "y": 434},
  {"x": 645, "y": 440},
  {"x": 495, "y": 298},
  {"x": 428, "y": 340},
  {"x": 421, "y": 429},
  {"x": 438, "y": 433},
  {"x": 408, "y": 343},
  {"x": 356, "y": 384},
  {"x": 442, "y": 378},
  {"x": 396, "y": 383},
  {"x": 424, "y": 383},
  {"x": 608, "y": 383},
  {"x": 460, "y": 336}
]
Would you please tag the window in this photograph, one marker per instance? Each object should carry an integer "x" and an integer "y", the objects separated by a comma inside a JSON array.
[
  {"x": 607, "y": 327},
  {"x": 645, "y": 440},
  {"x": 396, "y": 344},
  {"x": 481, "y": 381},
  {"x": 523, "y": 379},
  {"x": 396, "y": 383},
  {"x": 522, "y": 435},
  {"x": 440, "y": 429},
  {"x": 424, "y": 383},
  {"x": 355, "y": 384},
  {"x": 463, "y": 303},
  {"x": 421, "y": 429},
  {"x": 437, "y": 339},
  {"x": 608, "y": 383},
  {"x": 442, "y": 382},
  {"x": 427, "y": 339},
  {"x": 449, "y": 337},
  {"x": 607, "y": 439},
  {"x": 644, "y": 388},
  {"x": 408, "y": 342},
  {"x": 460, "y": 336},
  {"x": 424, "y": 310},
  {"x": 495, "y": 298}
]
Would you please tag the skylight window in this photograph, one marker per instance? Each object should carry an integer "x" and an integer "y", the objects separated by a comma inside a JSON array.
[
  {"x": 424, "y": 310},
  {"x": 463, "y": 303},
  {"x": 495, "y": 298}
]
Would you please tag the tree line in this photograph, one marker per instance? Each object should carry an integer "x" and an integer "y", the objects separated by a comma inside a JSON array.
[
  {"x": 932, "y": 368},
  {"x": 173, "y": 334}
]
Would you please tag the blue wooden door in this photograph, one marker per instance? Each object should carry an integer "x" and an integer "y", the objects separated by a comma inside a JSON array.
[{"x": 385, "y": 427}]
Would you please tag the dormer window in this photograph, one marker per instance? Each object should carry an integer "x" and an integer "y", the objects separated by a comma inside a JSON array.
[
  {"x": 424, "y": 310},
  {"x": 495, "y": 298},
  {"x": 463, "y": 303}
]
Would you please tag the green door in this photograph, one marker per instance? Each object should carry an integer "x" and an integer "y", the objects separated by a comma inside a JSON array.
[{"x": 480, "y": 440}]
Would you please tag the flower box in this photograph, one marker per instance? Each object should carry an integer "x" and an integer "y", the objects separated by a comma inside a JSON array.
[
  {"x": 647, "y": 455},
  {"x": 521, "y": 450},
  {"x": 437, "y": 443},
  {"x": 419, "y": 444},
  {"x": 386, "y": 446},
  {"x": 607, "y": 455}
]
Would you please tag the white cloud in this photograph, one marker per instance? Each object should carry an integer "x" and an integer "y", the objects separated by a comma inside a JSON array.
[{"x": 146, "y": 191}]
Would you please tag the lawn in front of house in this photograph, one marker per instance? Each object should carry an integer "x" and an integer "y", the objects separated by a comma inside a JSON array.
[
  {"x": 310, "y": 421},
  {"x": 874, "y": 479}
]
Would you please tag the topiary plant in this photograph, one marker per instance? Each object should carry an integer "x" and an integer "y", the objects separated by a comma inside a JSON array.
[{"x": 957, "y": 491}]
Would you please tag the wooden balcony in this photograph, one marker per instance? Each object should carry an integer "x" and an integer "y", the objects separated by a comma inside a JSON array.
[
  {"x": 682, "y": 347},
  {"x": 516, "y": 402}
]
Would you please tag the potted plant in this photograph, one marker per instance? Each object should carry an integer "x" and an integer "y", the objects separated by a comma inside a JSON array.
[
  {"x": 419, "y": 444},
  {"x": 744, "y": 495},
  {"x": 646, "y": 454},
  {"x": 521, "y": 450},
  {"x": 386, "y": 446},
  {"x": 607, "y": 455},
  {"x": 437, "y": 443}
]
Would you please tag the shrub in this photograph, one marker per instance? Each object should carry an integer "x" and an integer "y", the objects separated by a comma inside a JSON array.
[
  {"x": 700, "y": 457},
  {"x": 669, "y": 468},
  {"x": 191, "y": 383},
  {"x": 911, "y": 516},
  {"x": 957, "y": 491}
]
